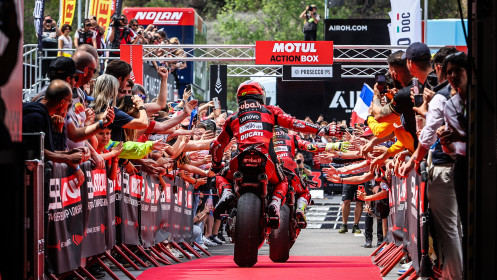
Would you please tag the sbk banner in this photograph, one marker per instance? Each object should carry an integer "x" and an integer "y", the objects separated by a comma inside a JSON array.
[
  {"x": 95, "y": 208},
  {"x": 130, "y": 198},
  {"x": 163, "y": 231},
  {"x": 68, "y": 8},
  {"x": 149, "y": 207},
  {"x": 404, "y": 219},
  {"x": 64, "y": 232}
]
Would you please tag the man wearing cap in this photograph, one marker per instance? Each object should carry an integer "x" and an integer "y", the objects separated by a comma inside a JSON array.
[{"x": 312, "y": 19}]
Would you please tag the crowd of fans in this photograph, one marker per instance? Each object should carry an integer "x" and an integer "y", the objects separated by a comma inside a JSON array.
[
  {"x": 111, "y": 121},
  {"x": 421, "y": 116}
]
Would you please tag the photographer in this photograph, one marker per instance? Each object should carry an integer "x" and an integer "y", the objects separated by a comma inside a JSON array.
[
  {"x": 312, "y": 19},
  {"x": 304, "y": 170},
  {"x": 120, "y": 34},
  {"x": 85, "y": 35}
]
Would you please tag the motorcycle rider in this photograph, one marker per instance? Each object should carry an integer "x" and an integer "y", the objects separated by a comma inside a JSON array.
[
  {"x": 284, "y": 146},
  {"x": 253, "y": 124}
]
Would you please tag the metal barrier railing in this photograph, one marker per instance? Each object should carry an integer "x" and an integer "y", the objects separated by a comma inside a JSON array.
[{"x": 356, "y": 60}]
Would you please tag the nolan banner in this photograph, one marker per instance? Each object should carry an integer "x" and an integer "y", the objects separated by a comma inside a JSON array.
[
  {"x": 102, "y": 9},
  {"x": 294, "y": 52},
  {"x": 357, "y": 31},
  {"x": 218, "y": 83},
  {"x": 68, "y": 8},
  {"x": 133, "y": 54},
  {"x": 405, "y": 27},
  {"x": 173, "y": 16}
]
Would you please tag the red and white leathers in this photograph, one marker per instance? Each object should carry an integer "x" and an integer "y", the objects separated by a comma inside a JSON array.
[
  {"x": 285, "y": 145},
  {"x": 253, "y": 123}
]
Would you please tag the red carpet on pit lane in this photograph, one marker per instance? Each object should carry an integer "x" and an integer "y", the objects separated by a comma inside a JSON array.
[{"x": 297, "y": 267}]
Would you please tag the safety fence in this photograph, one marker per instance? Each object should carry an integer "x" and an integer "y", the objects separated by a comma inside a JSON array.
[
  {"x": 407, "y": 227},
  {"x": 98, "y": 217}
]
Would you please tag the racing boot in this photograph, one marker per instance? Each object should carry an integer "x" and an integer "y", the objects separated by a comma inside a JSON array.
[
  {"x": 301, "y": 206},
  {"x": 223, "y": 203},
  {"x": 274, "y": 212}
]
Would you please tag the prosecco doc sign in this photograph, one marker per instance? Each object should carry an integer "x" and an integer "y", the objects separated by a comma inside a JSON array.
[{"x": 294, "y": 52}]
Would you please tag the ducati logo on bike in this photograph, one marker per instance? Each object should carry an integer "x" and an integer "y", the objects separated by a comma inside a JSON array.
[{"x": 250, "y": 126}]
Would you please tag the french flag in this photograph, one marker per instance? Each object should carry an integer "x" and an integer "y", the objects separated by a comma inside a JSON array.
[{"x": 361, "y": 108}]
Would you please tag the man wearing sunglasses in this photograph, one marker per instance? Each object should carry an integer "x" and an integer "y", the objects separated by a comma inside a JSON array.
[{"x": 85, "y": 35}]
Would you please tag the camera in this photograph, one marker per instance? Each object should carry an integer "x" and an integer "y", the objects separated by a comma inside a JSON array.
[
  {"x": 48, "y": 21},
  {"x": 299, "y": 161},
  {"x": 116, "y": 19}
]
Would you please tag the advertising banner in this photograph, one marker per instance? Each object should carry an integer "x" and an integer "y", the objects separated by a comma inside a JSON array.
[
  {"x": 131, "y": 195},
  {"x": 357, "y": 31},
  {"x": 163, "y": 217},
  {"x": 38, "y": 14},
  {"x": 161, "y": 16},
  {"x": 148, "y": 210},
  {"x": 312, "y": 73},
  {"x": 68, "y": 8},
  {"x": 102, "y": 9},
  {"x": 218, "y": 86},
  {"x": 294, "y": 52},
  {"x": 94, "y": 196},
  {"x": 405, "y": 27},
  {"x": 132, "y": 209},
  {"x": 64, "y": 220},
  {"x": 133, "y": 54}
]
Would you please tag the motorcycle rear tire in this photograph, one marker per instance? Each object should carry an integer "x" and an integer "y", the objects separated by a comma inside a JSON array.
[
  {"x": 248, "y": 230},
  {"x": 279, "y": 239}
]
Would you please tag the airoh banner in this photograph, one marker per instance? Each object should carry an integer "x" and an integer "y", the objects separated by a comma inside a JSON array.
[{"x": 294, "y": 52}]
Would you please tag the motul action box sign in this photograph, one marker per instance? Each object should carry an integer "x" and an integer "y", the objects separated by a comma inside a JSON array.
[
  {"x": 294, "y": 52},
  {"x": 161, "y": 16}
]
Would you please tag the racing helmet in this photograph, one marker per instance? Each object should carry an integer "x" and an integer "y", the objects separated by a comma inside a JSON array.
[{"x": 251, "y": 90}]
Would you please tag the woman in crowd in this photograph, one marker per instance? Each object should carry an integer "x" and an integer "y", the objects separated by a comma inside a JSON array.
[{"x": 64, "y": 41}]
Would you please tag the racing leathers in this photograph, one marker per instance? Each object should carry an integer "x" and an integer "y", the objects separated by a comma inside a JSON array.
[
  {"x": 253, "y": 124},
  {"x": 284, "y": 146}
]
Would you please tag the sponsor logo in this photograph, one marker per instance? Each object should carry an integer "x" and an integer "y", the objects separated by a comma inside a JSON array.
[
  {"x": 297, "y": 124},
  {"x": 294, "y": 47},
  {"x": 250, "y": 105},
  {"x": 251, "y": 134},
  {"x": 280, "y": 149},
  {"x": 250, "y": 117},
  {"x": 160, "y": 17},
  {"x": 251, "y": 160},
  {"x": 250, "y": 126},
  {"x": 348, "y": 28},
  {"x": 279, "y": 142},
  {"x": 77, "y": 239},
  {"x": 404, "y": 27}
]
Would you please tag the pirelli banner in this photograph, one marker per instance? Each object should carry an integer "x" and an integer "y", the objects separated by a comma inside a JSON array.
[
  {"x": 294, "y": 52},
  {"x": 133, "y": 209}
]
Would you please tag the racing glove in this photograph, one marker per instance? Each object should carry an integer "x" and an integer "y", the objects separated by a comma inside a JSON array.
[
  {"x": 338, "y": 146},
  {"x": 331, "y": 130}
]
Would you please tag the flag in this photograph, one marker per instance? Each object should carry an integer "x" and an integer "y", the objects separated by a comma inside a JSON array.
[
  {"x": 68, "y": 8},
  {"x": 38, "y": 13},
  {"x": 405, "y": 27},
  {"x": 361, "y": 107}
]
